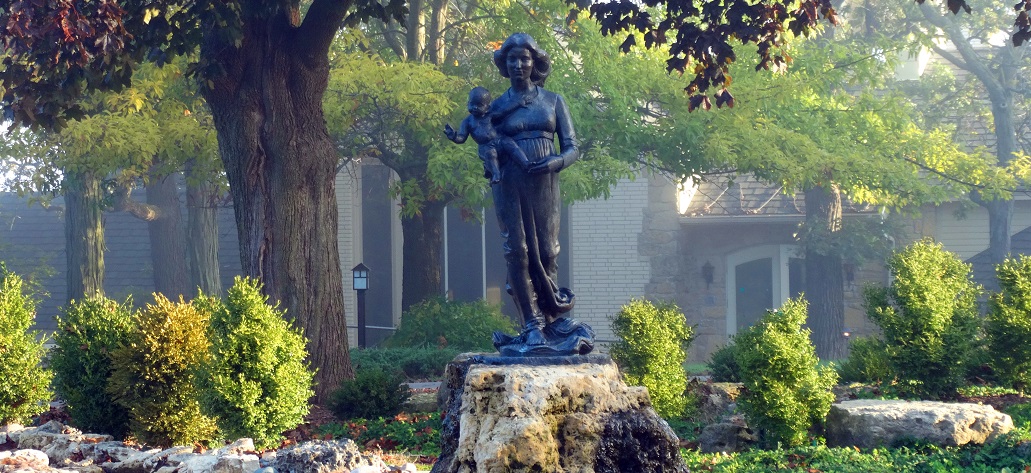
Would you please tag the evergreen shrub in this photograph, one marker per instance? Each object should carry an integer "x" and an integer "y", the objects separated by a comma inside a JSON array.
[
  {"x": 928, "y": 317},
  {"x": 256, "y": 382},
  {"x": 153, "y": 376},
  {"x": 438, "y": 322},
  {"x": 414, "y": 363},
  {"x": 24, "y": 382},
  {"x": 372, "y": 393},
  {"x": 867, "y": 362},
  {"x": 786, "y": 391},
  {"x": 88, "y": 333},
  {"x": 1008, "y": 324},
  {"x": 722, "y": 364},
  {"x": 652, "y": 350}
]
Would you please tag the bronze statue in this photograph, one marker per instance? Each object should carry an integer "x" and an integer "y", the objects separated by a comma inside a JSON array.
[{"x": 528, "y": 203}]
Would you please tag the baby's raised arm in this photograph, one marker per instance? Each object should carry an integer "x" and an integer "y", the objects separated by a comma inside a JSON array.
[{"x": 463, "y": 130}]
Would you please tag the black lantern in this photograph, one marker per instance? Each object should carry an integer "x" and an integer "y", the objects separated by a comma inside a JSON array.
[
  {"x": 708, "y": 273},
  {"x": 360, "y": 276},
  {"x": 360, "y": 279}
]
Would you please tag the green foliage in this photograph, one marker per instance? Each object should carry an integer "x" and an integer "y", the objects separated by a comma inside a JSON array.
[
  {"x": 372, "y": 393},
  {"x": 651, "y": 351},
  {"x": 928, "y": 318},
  {"x": 722, "y": 364},
  {"x": 786, "y": 391},
  {"x": 411, "y": 433},
  {"x": 153, "y": 374},
  {"x": 88, "y": 333},
  {"x": 1004, "y": 454},
  {"x": 438, "y": 322},
  {"x": 867, "y": 362},
  {"x": 256, "y": 382},
  {"x": 1007, "y": 325},
  {"x": 414, "y": 363},
  {"x": 25, "y": 390}
]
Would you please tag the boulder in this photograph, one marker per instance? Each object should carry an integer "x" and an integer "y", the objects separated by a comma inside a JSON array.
[
  {"x": 871, "y": 423},
  {"x": 323, "y": 457},
  {"x": 554, "y": 414},
  {"x": 715, "y": 400}
]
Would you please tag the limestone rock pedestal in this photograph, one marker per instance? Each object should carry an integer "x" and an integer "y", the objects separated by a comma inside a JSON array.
[{"x": 551, "y": 414}]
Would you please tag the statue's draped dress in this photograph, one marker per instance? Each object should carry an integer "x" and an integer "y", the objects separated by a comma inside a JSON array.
[{"x": 528, "y": 205}]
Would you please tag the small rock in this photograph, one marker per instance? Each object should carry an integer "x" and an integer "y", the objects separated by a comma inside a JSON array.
[
  {"x": 367, "y": 469},
  {"x": 239, "y": 447},
  {"x": 725, "y": 437},
  {"x": 24, "y": 458},
  {"x": 267, "y": 469}
]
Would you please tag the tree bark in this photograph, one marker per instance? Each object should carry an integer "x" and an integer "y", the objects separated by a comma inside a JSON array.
[
  {"x": 281, "y": 164},
  {"x": 167, "y": 239},
  {"x": 423, "y": 255},
  {"x": 84, "y": 236},
  {"x": 825, "y": 285},
  {"x": 202, "y": 227}
]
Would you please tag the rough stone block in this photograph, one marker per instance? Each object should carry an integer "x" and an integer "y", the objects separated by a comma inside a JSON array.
[
  {"x": 560, "y": 414},
  {"x": 871, "y": 423}
]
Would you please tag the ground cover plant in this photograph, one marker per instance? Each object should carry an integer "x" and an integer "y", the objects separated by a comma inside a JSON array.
[{"x": 417, "y": 434}]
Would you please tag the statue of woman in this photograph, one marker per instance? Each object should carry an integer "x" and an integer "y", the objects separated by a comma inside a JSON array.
[{"x": 528, "y": 202}]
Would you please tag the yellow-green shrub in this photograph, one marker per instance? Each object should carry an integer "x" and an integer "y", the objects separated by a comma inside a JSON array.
[
  {"x": 153, "y": 374},
  {"x": 651, "y": 351},
  {"x": 256, "y": 382},
  {"x": 928, "y": 318},
  {"x": 1008, "y": 323},
  {"x": 786, "y": 392},
  {"x": 88, "y": 332},
  {"x": 24, "y": 383}
]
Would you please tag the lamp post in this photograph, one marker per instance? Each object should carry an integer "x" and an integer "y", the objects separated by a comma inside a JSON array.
[{"x": 360, "y": 279}]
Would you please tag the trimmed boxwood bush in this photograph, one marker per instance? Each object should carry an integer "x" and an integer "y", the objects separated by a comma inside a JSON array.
[
  {"x": 722, "y": 364},
  {"x": 153, "y": 374},
  {"x": 255, "y": 382},
  {"x": 25, "y": 386},
  {"x": 652, "y": 350},
  {"x": 928, "y": 318},
  {"x": 438, "y": 322},
  {"x": 88, "y": 332},
  {"x": 786, "y": 391},
  {"x": 867, "y": 362},
  {"x": 1008, "y": 324},
  {"x": 371, "y": 394}
]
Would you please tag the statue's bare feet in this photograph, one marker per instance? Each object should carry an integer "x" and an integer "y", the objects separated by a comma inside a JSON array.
[{"x": 535, "y": 337}]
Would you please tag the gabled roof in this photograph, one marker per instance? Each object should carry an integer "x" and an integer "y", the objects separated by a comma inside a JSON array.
[{"x": 743, "y": 196}]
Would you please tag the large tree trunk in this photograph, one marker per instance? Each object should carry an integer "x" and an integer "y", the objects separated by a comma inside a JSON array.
[
  {"x": 167, "y": 239},
  {"x": 202, "y": 227},
  {"x": 824, "y": 279},
  {"x": 83, "y": 236},
  {"x": 281, "y": 164},
  {"x": 423, "y": 247}
]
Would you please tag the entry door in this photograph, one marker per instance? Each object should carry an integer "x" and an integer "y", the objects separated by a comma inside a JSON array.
[{"x": 758, "y": 279}]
